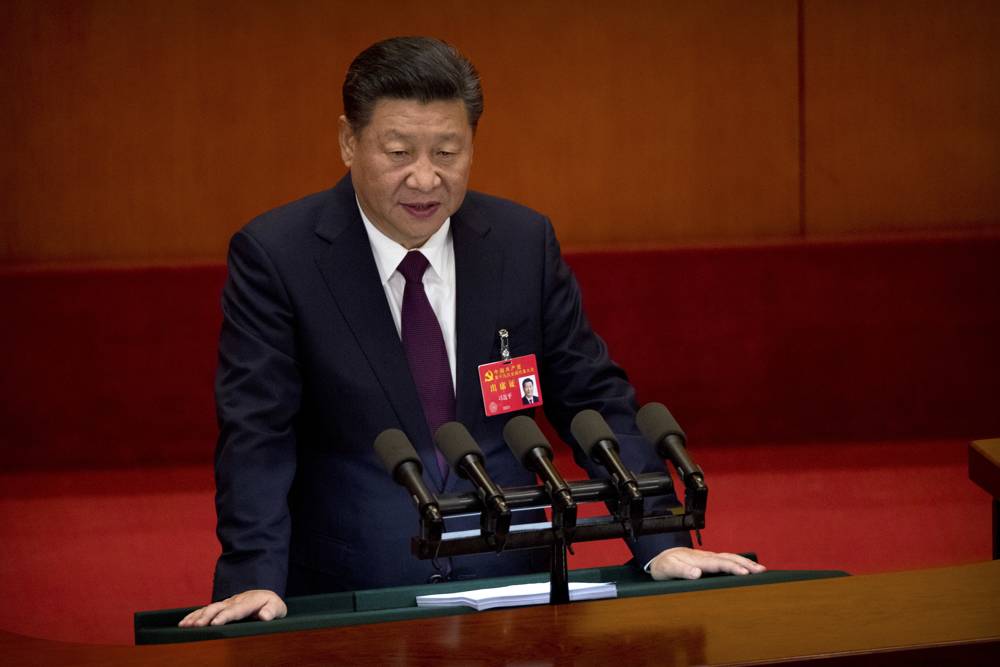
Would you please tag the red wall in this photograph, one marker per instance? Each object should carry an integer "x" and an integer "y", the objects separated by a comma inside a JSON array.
[{"x": 790, "y": 341}]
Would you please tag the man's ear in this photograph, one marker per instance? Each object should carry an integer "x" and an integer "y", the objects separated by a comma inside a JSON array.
[{"x": 348, "y": 141}]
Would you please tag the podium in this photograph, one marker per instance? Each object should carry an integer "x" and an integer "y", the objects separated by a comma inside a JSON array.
[
  {"x": 399, "y": 603},
  {"x": 938, "y": 616}
]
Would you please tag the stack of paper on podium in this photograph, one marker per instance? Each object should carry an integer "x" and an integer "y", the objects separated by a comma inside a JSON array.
[{"x": 515, "y": 596}]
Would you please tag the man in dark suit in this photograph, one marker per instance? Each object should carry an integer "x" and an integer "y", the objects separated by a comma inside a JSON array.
[{"x": 318, "y": 355}]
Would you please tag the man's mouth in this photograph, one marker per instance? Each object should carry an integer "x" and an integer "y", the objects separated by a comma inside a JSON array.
[{"x": 422, "y": 209}]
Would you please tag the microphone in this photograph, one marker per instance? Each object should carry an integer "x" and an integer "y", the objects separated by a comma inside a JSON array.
[
  {"x": 531, "y": 448},
  {"x": 661, "y": 429},
  {"x": 595, "y": 437},
  {"x": 465, "y": 456},
  {"x": 400, "y": 459}
]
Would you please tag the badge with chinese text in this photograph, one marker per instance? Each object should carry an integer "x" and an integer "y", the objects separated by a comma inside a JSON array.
[{"x": 509, "y": 385}]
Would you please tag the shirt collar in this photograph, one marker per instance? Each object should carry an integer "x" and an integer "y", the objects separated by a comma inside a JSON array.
[{"x": 388, "y": 253}]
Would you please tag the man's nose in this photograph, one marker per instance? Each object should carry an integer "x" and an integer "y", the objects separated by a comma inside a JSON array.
[{"x": 424, "y": 176}]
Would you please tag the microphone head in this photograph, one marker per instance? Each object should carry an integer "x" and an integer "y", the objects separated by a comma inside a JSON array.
[
  {"x": 393, "y": 448},
  {"x": 589, "y": 428},
  {"x": 455, "y": 443},
  {"x": 656, "y": 423},
  {"x": 522, "y": 435}
]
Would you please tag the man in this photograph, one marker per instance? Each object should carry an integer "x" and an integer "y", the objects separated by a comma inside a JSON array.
[
  {"x": 528, "y": 392},
  {"x": 370, "y": 306}
]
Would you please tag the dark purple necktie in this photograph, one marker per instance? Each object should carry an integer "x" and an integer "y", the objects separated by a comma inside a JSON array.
[{"x": 425, "y": 350}]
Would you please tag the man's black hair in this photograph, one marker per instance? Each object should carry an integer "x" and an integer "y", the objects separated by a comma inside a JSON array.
[
  {"x": 526, "y": 381},
  {"x": 410, "y": 68}
]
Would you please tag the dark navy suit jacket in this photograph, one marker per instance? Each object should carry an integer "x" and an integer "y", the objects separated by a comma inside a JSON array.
[{"x": 311, "y": 370}]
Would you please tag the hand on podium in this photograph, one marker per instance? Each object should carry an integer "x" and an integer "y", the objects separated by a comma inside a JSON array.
[
  {"x": 267, "y": 605},
  {"x": 686, "y": 563}
]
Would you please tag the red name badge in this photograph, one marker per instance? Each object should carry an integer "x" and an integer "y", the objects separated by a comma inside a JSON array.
[{"x": 510, "y": 385}]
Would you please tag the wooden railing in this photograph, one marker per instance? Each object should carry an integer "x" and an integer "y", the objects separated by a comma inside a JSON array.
[{"x": 984, "y": 470}]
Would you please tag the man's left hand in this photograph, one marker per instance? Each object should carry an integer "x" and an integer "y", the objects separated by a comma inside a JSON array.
[{"x": 685, "y": 563}]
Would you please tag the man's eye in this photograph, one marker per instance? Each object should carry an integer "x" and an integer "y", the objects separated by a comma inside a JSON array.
[
  {"x": 398, "y": 154},
  {"x": 446, "y": 154}
]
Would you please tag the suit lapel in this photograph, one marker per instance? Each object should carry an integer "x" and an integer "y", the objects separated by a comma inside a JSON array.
[
  {"x": 352, "y": 277},
  {"x": 478, "y": 284}
]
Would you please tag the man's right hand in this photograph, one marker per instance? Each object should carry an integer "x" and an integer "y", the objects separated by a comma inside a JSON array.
[{"x": 265, "y": 605}]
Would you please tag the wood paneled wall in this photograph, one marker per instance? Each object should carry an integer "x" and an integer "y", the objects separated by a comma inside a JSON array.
[
  {"x": 902, "y": 109},
  {"x": 149, "y": 131}
]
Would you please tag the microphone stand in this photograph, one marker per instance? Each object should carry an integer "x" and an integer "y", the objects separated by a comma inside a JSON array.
[{"x": 565, "y": 528}]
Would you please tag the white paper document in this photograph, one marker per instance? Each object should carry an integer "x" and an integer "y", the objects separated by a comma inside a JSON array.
[{"x": 515, "y": 596}]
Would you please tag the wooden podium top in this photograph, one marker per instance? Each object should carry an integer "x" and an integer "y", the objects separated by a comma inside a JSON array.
[{"x": 947, "y": 615}]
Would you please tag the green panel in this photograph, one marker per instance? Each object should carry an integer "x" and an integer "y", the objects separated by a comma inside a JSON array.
[
  {"x": 406, "y": 596},
  {"x": 399, "y": 603},
  {"x": 712, "y": 582}
]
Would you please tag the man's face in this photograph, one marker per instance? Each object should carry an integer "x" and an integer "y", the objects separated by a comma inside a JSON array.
[
  {"x": 529, "y": 389},
  {"x": 410, "y": 165}
]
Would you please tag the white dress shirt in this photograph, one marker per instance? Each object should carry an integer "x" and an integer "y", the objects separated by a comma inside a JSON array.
[{"x": 439, "y": 278}]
